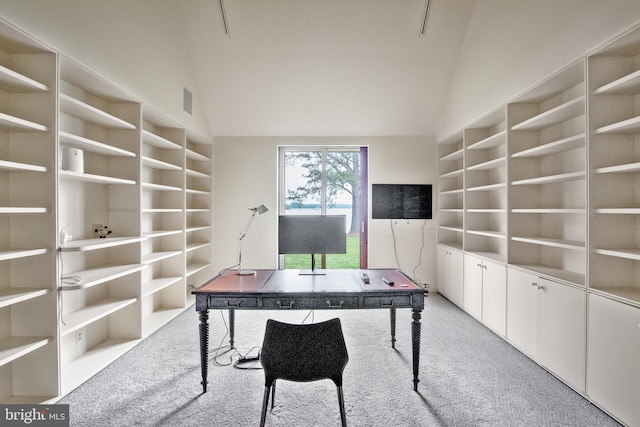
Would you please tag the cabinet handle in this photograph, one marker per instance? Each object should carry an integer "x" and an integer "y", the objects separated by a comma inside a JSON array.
[
  {"x": 335, "y": 306},
  {"x": 540, "y": 287},
  {"x": 479, "y": 265},
  {"x": 290, "y": 305},
  {"x": 534, "y": 284}
]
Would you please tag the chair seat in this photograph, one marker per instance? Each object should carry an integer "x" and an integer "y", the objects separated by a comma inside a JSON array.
[{"x": 303, "y": 353}]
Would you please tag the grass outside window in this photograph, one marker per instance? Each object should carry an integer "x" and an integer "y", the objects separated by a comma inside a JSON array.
[{"x": 349, "y": 260}]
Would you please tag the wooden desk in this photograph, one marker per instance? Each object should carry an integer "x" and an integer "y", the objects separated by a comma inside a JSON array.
[{"x": 287, "y": 290}]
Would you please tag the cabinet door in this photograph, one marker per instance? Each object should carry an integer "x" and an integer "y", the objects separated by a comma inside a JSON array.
[
  {"x": 473, "y": 286},
  {"x": 562, "y": 331},
  {"x": 443, "y": 271},
  {"x": 522, "y": 302},
  {"x": 613, "y": 371},
  {"x": 494, "y": 296},
  {"x": 456, "y": 276}
]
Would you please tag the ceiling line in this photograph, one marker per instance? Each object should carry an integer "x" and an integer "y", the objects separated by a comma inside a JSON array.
[
  {"x": 423, "y": 29},
  {"x": 224, "y": 19}
]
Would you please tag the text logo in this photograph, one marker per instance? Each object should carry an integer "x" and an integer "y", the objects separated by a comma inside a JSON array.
[{"x": 34, "y": 415}]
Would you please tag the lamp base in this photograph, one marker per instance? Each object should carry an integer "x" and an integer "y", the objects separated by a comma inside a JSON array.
[{"x": 246, "y": 272}]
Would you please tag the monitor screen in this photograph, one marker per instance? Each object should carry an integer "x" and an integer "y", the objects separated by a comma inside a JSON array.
[
  {"x": 401, "y": 201},
  {"x": 312, "y": 234}
]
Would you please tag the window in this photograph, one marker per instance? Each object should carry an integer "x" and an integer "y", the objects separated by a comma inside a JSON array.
[{"x": 327, "y": 180}]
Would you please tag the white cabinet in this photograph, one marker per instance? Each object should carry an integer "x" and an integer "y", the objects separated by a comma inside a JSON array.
[
  {"x": 450, "y": 274},
  {"x": 522, "y": 311},
  {"x": 613, "y": 371},
  {"x": 494, "y": 296},
  {"x": 472, "y": 293},
  {"x": 546, "y": 321},
  {"x": 485, "y": 291},
  {"x": 551, "y": 183}
]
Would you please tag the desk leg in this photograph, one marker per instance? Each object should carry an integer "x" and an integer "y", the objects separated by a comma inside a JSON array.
[
  {"x": 392, "y": 313},
  {"x": 232, "y": 326},
  {"x": 204, "y": 347},
  {"x": 415, "y": 337}
]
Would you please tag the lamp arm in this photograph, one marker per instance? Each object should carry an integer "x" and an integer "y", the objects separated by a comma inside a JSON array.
[
  {"x": 246, "y": 229},
  {"x": 243, "y": 233}
]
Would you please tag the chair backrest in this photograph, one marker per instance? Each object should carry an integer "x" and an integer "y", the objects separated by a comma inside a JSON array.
[{"x": 307, "y": 352}]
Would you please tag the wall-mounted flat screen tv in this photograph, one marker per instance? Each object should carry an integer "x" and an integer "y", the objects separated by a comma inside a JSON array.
[{"x": 401, "y": 201}]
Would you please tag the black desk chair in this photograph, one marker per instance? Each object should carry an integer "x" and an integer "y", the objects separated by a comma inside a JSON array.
[{"x": 303, "y": 353}]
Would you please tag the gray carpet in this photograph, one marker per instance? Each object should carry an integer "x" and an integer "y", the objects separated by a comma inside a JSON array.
[{"x": 469, "y": 377}]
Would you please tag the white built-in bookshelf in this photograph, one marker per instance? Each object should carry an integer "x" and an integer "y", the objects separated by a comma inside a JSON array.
[
  {"x": 547, "y": 187},
  {"x": 198, "y": 225},
  {"x": 28, "y": 269},
  {"x": 70, "y": 307},
  {"x": 547, "y": 177},
  {"x": 614, "y": 226},
  {"x": 163, "y": 252},
  {"x": 451, "y": 191},
  {"x": 101, "y": 321},
  {"x": 486, "y": 186}
]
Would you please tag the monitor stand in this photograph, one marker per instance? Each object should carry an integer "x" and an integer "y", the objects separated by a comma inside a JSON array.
[{"x": 313, "y": 271}]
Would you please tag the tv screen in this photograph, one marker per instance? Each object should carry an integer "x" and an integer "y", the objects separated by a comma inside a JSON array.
[
  {"x": 312, "y": 234},
  {"x": 401, "y": 201}
]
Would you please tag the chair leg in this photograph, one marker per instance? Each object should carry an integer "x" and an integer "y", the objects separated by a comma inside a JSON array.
[
  {"x": 273, "y": 394},
  {"x": 343, "y": 415},
  {"x": 265, "y": 403}
]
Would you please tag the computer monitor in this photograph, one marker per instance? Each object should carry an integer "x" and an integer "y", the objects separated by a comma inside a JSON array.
[{"x": 312, "y": 234}]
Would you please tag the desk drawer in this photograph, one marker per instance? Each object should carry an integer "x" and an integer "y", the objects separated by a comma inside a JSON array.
[
  {"x": 387, "y": 302},
  {"x": 305, "y": 303},
  {"x": 232, "y": 302}
]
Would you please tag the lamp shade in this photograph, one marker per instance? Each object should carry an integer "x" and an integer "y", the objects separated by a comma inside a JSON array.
[{"x": 260, "y": 209}]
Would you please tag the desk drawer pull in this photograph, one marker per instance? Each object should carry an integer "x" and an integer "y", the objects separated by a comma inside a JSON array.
[
  {"x": 232, "y": 303},
  {"x": 281, "y": 305},
  {"x": 335, "y": 306},
  {"x": 396, "y": 301}
]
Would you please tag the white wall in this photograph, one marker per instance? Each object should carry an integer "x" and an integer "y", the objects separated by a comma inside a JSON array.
[
  {"x": 513, "y": 44},
  {"x": 246, "y": 175},
  {"x": 136, "y": 45}
]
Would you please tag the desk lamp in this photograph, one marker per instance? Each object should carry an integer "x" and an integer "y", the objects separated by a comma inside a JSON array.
[{"x": 257, "y": 210}]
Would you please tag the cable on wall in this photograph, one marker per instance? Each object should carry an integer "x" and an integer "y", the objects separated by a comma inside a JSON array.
[{"x": 395, "y": 250}]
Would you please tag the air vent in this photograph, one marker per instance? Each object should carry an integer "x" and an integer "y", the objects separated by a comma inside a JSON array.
[{"x": 188, "y": 101}]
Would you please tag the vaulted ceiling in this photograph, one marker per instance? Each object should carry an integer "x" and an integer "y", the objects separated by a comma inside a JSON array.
[{"x": 323, "y": 67}]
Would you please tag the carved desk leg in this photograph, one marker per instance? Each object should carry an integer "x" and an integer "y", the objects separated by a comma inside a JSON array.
[
  {"x": 415, "y": 336},
  {"x": 232, "y": 326},
  {"x": 392, "y": 312},
  {"x": 204, "y": 347}
]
